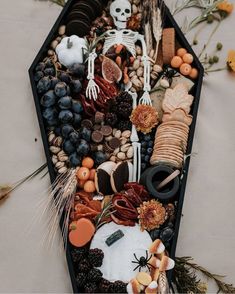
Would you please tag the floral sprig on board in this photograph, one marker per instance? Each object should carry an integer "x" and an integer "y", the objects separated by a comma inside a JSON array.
[{"x": 186, "y": 280}]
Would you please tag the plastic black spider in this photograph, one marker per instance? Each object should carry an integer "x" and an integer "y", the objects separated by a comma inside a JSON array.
[
  {"x": 169, "y": 73},
  {"x": 143, "y": 262}
]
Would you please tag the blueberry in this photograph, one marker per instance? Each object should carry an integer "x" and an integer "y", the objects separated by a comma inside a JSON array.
[
  {"x": 49, "y": 71},
  {"x": 74, "y": 137},
  {"x": 100, "y": 157},
  {"x": 154, "y": 234},
  {"x": 40, "y": 67},
  {"x": 147, "y": 158},
  {"x": 143, "y": 166},
  {"x": 166, "y": 234},
  {"x": 57, "y": 131},
  {"x": 150, "y": 144},
  {"x": 85, "y": 134},
  {"x": 144, "y": 144},
  {"x": 150, "y": 151},
  {"x": 77, "y": 106},
  {"x": 65, "y": 116},
  {"x": 77, "y": 118},
  {"x": 83, "y": 147},
  {"x": 52, "y": 122},
  {"x": 61, "y": 89},
  {"x": 65, "y": 102},
  {"x": 54, "y": 81},
  {"x": 38, "y": 75},
  {"x": 78, "y": 70},
  {"x": 66, "y": 130},
  {"x": 50, "y": 113},
  {"x": 49, "y": 63},
  {"x": 68, "y": 147},
  {"x": 44, "y": 85},
  {"x": 49, "y": 99},
  {"x": 76, "y": 86},
  {"x": 147, "y": 138},
  {"x": 65, "y": 77},
  {"x": 75, "y": 160}
]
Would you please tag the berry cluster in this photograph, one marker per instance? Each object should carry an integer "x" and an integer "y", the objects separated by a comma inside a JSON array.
[{"x": 147, "y": 144}]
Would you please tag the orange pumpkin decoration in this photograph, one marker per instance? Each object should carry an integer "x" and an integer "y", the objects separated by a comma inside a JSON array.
[
  {"x": 89, "y": 187},
  {"x": 181, "y": 52},
  {"x": 83, "y": 232}
]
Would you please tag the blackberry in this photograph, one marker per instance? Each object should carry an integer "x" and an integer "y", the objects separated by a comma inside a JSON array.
[
  {"x": 81, "y": 280},
  {"x": 78, "y": 254},
  {"x": 111, "y": 119},
  {"x": 124, "y": 96},
  {"x": 95, "y": 257},
  {"x": 118, "y": 287},
  {"x": 94, "y": 275},
  {"x": 104, "y": 286},
  {"x": 124, "y": 125},
  {"x": 124, "y": 109},
  {"x": 90, "y": 288},
  {"x": 84, "y": 266}
]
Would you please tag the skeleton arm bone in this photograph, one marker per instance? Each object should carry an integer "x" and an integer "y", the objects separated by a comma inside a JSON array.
[{"x": 92, "y": 88}]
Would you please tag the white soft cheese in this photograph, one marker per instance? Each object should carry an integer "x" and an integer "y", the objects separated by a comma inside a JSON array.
[{"x": 117, "y": 263}]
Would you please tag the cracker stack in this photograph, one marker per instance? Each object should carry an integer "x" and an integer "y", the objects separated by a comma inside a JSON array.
[{"x": 172, "y": 135}]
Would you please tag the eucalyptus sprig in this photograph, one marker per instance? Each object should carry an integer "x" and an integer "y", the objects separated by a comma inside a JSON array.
[
  {"x": 186, "y": 279},
  {"x": 184, "y": 5},
  {"x": 58, "y": 2}
]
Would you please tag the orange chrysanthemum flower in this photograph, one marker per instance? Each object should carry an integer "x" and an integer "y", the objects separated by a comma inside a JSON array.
[
  {"x": 145, "y": 118},
  {"x": 225, "y": 6}
]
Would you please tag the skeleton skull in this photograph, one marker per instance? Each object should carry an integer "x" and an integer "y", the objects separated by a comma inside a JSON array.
[{"x": 120, "y": 10}]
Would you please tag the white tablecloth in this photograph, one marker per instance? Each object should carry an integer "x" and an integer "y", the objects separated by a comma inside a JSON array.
[{"x": 207, "y": 227}]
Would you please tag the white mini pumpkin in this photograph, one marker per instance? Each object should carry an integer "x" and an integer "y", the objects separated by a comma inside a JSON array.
[{"x": 70, "y": 50}]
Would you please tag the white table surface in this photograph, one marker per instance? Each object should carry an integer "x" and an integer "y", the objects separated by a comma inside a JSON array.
[{"x": 208, "y": 226}]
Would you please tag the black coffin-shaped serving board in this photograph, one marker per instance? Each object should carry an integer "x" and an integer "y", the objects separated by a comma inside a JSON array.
[{"x": 169, "y": 22}]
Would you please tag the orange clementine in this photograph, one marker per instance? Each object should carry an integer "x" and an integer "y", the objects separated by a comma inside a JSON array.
[
  {"x": 89, "y": 187},
  {"x": 188, "y": 58},
  {"x": 83, "y": 173},
  {"x": 81, "y": 183},
  {"x": 92, "y": 174},
  {"x": 181, "y": 52},
  {"x": 176, "y": 61},
  {"x": 185, "y": 69},
  {"x": 88, "y": 162},
  {"x": 194, "y": 73}
]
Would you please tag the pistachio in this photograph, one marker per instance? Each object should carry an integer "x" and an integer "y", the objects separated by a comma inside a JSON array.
[
  {"x": 126, "y": 134},
  {"x": 125, "y": 147},
  {"x": 157, "y": 68},
  {"x": 140, "y": 72},
  {"x": 138, "y": 50},
  {"x": 63, "y": 158},
  {"x": 108, "y": 138},
  {"x": 135, "y": 77},
  {"x": 58, "y": 39},
  {"x": 136, "y": 2},
  {"x": 133, "y": 89},
  {"x": 113, "y": 158},
  {"x": 137, "y": 84},
  {"x": 62, "y": 170},
  {"x": 142, "y": 80},
  {"x": 121, "y": 155},
  {"x": 134, "y": 9},
  {"x": 59, "y": 164},
  {"x": 57, "y": 141},
  {"x": 51, "y": 137},
  {"x": 54, "y": 44},
  {"x": 118, "y": 134},
  {"x": 116, "y": 151},
  {"x": 136, "y": 64},
  {"x": 132, "y": 74},
  {"x": 100, "y": 147},
  {"x": 114, "y": 131},
  {"x": 55, "y": 149},
  {"x": 54, "y": 159},
  {"x": 50, "y": 52},
  {"x": 62, "y": 30},
  {"x": 130, "y": 152},
  {"x": 154, "y": 75},
  {"x": 123, "y": 141}
]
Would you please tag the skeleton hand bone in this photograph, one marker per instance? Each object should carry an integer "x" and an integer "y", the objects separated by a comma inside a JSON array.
[
  {"x": 145, "y": 99},
  {"x": 92, "y": 90}
]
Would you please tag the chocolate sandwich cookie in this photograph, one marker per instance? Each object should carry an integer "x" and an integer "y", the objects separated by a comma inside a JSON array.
[
  {"x": 77, "y": 27},
  {"x": 87, "y": 8},
  {"x": 79, "y": 15}
]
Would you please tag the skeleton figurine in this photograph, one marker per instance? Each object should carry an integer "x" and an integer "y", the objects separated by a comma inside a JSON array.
[{"x": 120, "y": 10}]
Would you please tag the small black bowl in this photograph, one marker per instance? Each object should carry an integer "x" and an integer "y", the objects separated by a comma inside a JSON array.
[{"x": 153, "y": 176}]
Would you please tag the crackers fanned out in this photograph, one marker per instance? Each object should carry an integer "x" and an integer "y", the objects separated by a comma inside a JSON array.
[
  {"x": 179, "y": 115},
  {"x": 177, "y": 98}
]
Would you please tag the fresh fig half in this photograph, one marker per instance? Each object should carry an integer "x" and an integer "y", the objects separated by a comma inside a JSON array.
[{"x": 111, "y": 71}]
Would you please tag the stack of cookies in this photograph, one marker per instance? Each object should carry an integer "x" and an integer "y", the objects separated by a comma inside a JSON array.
[
  {"x": 83, "y": 13},
  {"x": 172, "y": 135}
]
